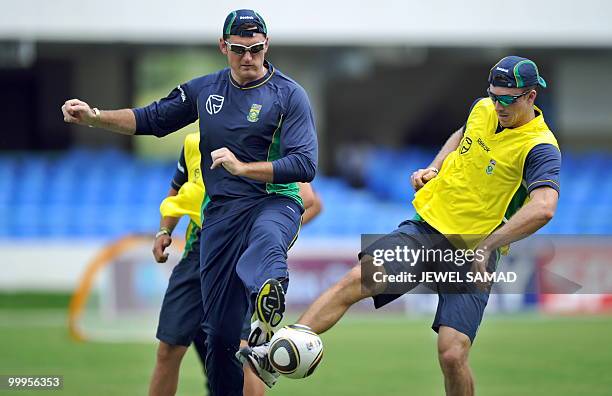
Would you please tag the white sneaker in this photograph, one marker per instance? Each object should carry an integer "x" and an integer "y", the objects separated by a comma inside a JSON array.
[
  {"x": 259, "y": 335},
  {"x": 257, "y": 357}
]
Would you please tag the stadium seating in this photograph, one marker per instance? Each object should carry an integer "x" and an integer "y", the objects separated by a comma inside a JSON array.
[{"x": 107, "y": 194}]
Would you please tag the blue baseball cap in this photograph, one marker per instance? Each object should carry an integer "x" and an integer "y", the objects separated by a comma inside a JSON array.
[
  {"x": 235, "y": 21},
  {"x": 515, "y": 72}
]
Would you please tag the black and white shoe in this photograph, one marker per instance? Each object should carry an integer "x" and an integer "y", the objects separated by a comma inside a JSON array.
[
  {"x": 257, "y": 358},
  {"x": 269, "y": 308}
]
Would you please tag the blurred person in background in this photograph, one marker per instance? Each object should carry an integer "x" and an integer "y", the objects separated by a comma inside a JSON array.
[
  {"x": 258, "y": 141},
  {"x": 495, "y": 181},
  {"x": 181, "y": 312}
]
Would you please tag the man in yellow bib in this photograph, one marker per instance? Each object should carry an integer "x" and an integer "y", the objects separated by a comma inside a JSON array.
[
  {"x": 495, "y": 181},
  {"x": 181, "y": 313}
]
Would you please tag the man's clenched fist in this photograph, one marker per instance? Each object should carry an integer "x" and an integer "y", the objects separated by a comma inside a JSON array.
[
  {"x": 159, "y": 247},
  {"x": 78, "y": 112},
  {"x": 228, "y": 160},
  {"x": 422, "y": 176}
]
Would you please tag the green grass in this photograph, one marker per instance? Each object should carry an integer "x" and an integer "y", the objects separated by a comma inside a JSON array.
[
  {"x": 33, "y": 300},
  {"x": 364, "y": 355}
]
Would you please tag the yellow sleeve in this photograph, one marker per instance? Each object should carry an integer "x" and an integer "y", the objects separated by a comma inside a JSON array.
[{"x": 188, "y": 202}]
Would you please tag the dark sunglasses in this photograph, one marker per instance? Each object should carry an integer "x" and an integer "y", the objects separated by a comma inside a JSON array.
[
  {"x": 505, "y": 100},
  {"x": 241, "y": 49}
]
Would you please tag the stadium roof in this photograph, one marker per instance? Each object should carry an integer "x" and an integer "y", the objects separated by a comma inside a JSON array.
[{"x": 531, "y": 23}]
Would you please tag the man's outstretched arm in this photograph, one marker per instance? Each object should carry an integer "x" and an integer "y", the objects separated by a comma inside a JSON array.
[
  {"x": 160, "y": 118},
  {"x": 78, "y": 112}
]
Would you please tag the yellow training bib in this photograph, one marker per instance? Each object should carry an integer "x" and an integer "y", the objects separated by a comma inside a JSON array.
[
  {"x": 476, "y": 185},
  {"x": 189, "y": 199}
]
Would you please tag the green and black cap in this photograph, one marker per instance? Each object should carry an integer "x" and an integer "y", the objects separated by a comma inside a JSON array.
[
  {"x": 515, "y": 72},
  {"x": 236, "y": 22}
]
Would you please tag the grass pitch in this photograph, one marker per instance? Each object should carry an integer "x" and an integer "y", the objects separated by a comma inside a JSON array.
[{"x": 364, "y": 355}]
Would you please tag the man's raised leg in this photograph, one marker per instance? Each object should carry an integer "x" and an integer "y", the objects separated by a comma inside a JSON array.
[
  {"x": 327, "y": 310},
  {"x": 453, "y": 351},
  {"x": 359, "y": 283}
]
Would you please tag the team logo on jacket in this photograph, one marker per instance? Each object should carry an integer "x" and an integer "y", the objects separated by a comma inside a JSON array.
[
  {"x": 253, "y": 115},
  {"x": 214, "y": 104},
  {"x": 491, "y": 167}
]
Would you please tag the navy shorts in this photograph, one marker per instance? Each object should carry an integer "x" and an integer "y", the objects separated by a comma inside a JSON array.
[
  {"x": 460, "y": 306},
  {"x": 180, "y": 317}
]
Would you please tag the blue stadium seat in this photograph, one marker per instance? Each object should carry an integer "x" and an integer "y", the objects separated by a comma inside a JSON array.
[{"x": 54, "y": 196}]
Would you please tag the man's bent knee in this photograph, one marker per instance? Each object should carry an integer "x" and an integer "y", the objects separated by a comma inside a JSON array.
[
  {"x": 452, "y": 358},
  {"x": 167, "y": 353},
  {"x": 453, "y": 348}
]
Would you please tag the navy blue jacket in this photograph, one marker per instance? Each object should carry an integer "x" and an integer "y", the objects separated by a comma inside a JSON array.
[{"x": 267, "y": 120}]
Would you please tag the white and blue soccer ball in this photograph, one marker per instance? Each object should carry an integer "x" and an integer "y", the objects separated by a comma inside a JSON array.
[{"x": 295, "y": 351}]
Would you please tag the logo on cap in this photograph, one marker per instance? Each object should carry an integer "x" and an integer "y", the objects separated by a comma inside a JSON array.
[{"x": 214, "y": 103}]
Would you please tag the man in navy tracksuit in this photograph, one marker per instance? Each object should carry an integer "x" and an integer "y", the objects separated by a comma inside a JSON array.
[{"x": 257, "y": 141}]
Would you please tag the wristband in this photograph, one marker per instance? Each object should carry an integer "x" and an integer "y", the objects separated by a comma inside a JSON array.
[
  {"x": 96, "y": 115},
  {"x": 163, "y": 231}
]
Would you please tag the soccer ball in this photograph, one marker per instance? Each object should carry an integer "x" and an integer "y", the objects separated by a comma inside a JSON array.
[{"x": 295, "y": 351}]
